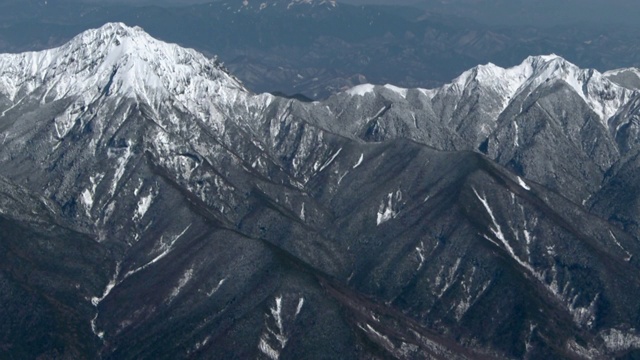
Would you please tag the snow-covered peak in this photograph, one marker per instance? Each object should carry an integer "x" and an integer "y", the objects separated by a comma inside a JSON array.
[
  {"x": 605, "y": 93},
  {"x": 537, "y": 60},
  {"x": 109, "y": 30},
  {"x": 503, "y": 81},
  {"x": 114, "y": 59},
  {"x": 601, "y": 94},
  {"x": 507, "y": 82}
]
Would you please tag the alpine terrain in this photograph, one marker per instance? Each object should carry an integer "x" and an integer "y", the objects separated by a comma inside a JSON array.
[
  {"x": 315, "y": 48},
  {"x": 151, "y": 207}
]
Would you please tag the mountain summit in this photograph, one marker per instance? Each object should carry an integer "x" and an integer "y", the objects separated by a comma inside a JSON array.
[
  {"x": 115, "y": 59},
  {"x": 151, "y": 207},
  {"x": 501, "y": 85},
  {"x": 602, "y": 95}
]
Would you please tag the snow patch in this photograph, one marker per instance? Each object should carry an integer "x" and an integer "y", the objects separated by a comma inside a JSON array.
[
  {"x": 165, "y": 249},
  {"x": 266, "y": 349},
  {"x": 523, "y": 184},
  {"x": 86, "y": 198},
  {"x": 448, "y": 279},
  {"x": 143, "y": 206},
  {"x": 200, "y": 344},
  {"x": 400, "y": 91},
  {"x": 421, "y": 254},
  {"x": 274, "y": 340},
  {"x": 342, "y": 177},
  {"x": 299, "y": 307},
  {"x": 215, "y": 289},
  {"x": 94, "y": 327},
  {"x": 12, "y": 107},
  {"x": 617, "y": 340},
  {"x": 497, "y": 232},
  {"x": 121, "y": 164},
  {"x": 471, "y": 296},
  {"x": 359, "y": 161},
  {"x": 378, "y": 336},
  {"x": 388, "y": 209},
  {"x": 184, "y": 280},
  {"x": 277, "y": 315},
  {"x": 380, "y": 112},
  {"x": 615, "y": 240},
  {"x": 328, "y": 162},
  {"x": 95, "y": 301},
  {"x": 112, "y": 283},
  {"x": 361, "y": 90}
]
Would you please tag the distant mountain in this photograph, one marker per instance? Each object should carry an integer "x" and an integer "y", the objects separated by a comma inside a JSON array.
[
  {"x": 540, "y": 13},
  {"x": 152, "y": 207},
  {"x": 288, "y": 4}
]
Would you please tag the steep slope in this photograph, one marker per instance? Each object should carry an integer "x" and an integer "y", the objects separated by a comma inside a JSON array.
[
  {"x": 47, "y": 274},
  {"x": 215, "y": 223}
]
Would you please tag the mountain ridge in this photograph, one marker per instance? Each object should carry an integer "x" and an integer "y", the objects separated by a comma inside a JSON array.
[
  {"x": 380, "y": 222},
  {"x": 531, "y": 73}
]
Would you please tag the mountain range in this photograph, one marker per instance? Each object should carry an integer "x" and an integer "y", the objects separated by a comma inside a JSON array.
[
  {"x": 151, "y": 206},
  {"x": 288, "y": 47}
]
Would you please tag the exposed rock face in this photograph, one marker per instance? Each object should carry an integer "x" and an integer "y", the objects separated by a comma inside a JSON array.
[{"x": 151, "y": 207}]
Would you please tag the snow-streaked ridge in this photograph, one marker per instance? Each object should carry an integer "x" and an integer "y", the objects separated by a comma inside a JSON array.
[
  {"x": 601, "y": 94},
  {"x": 598, "y": 92}
]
